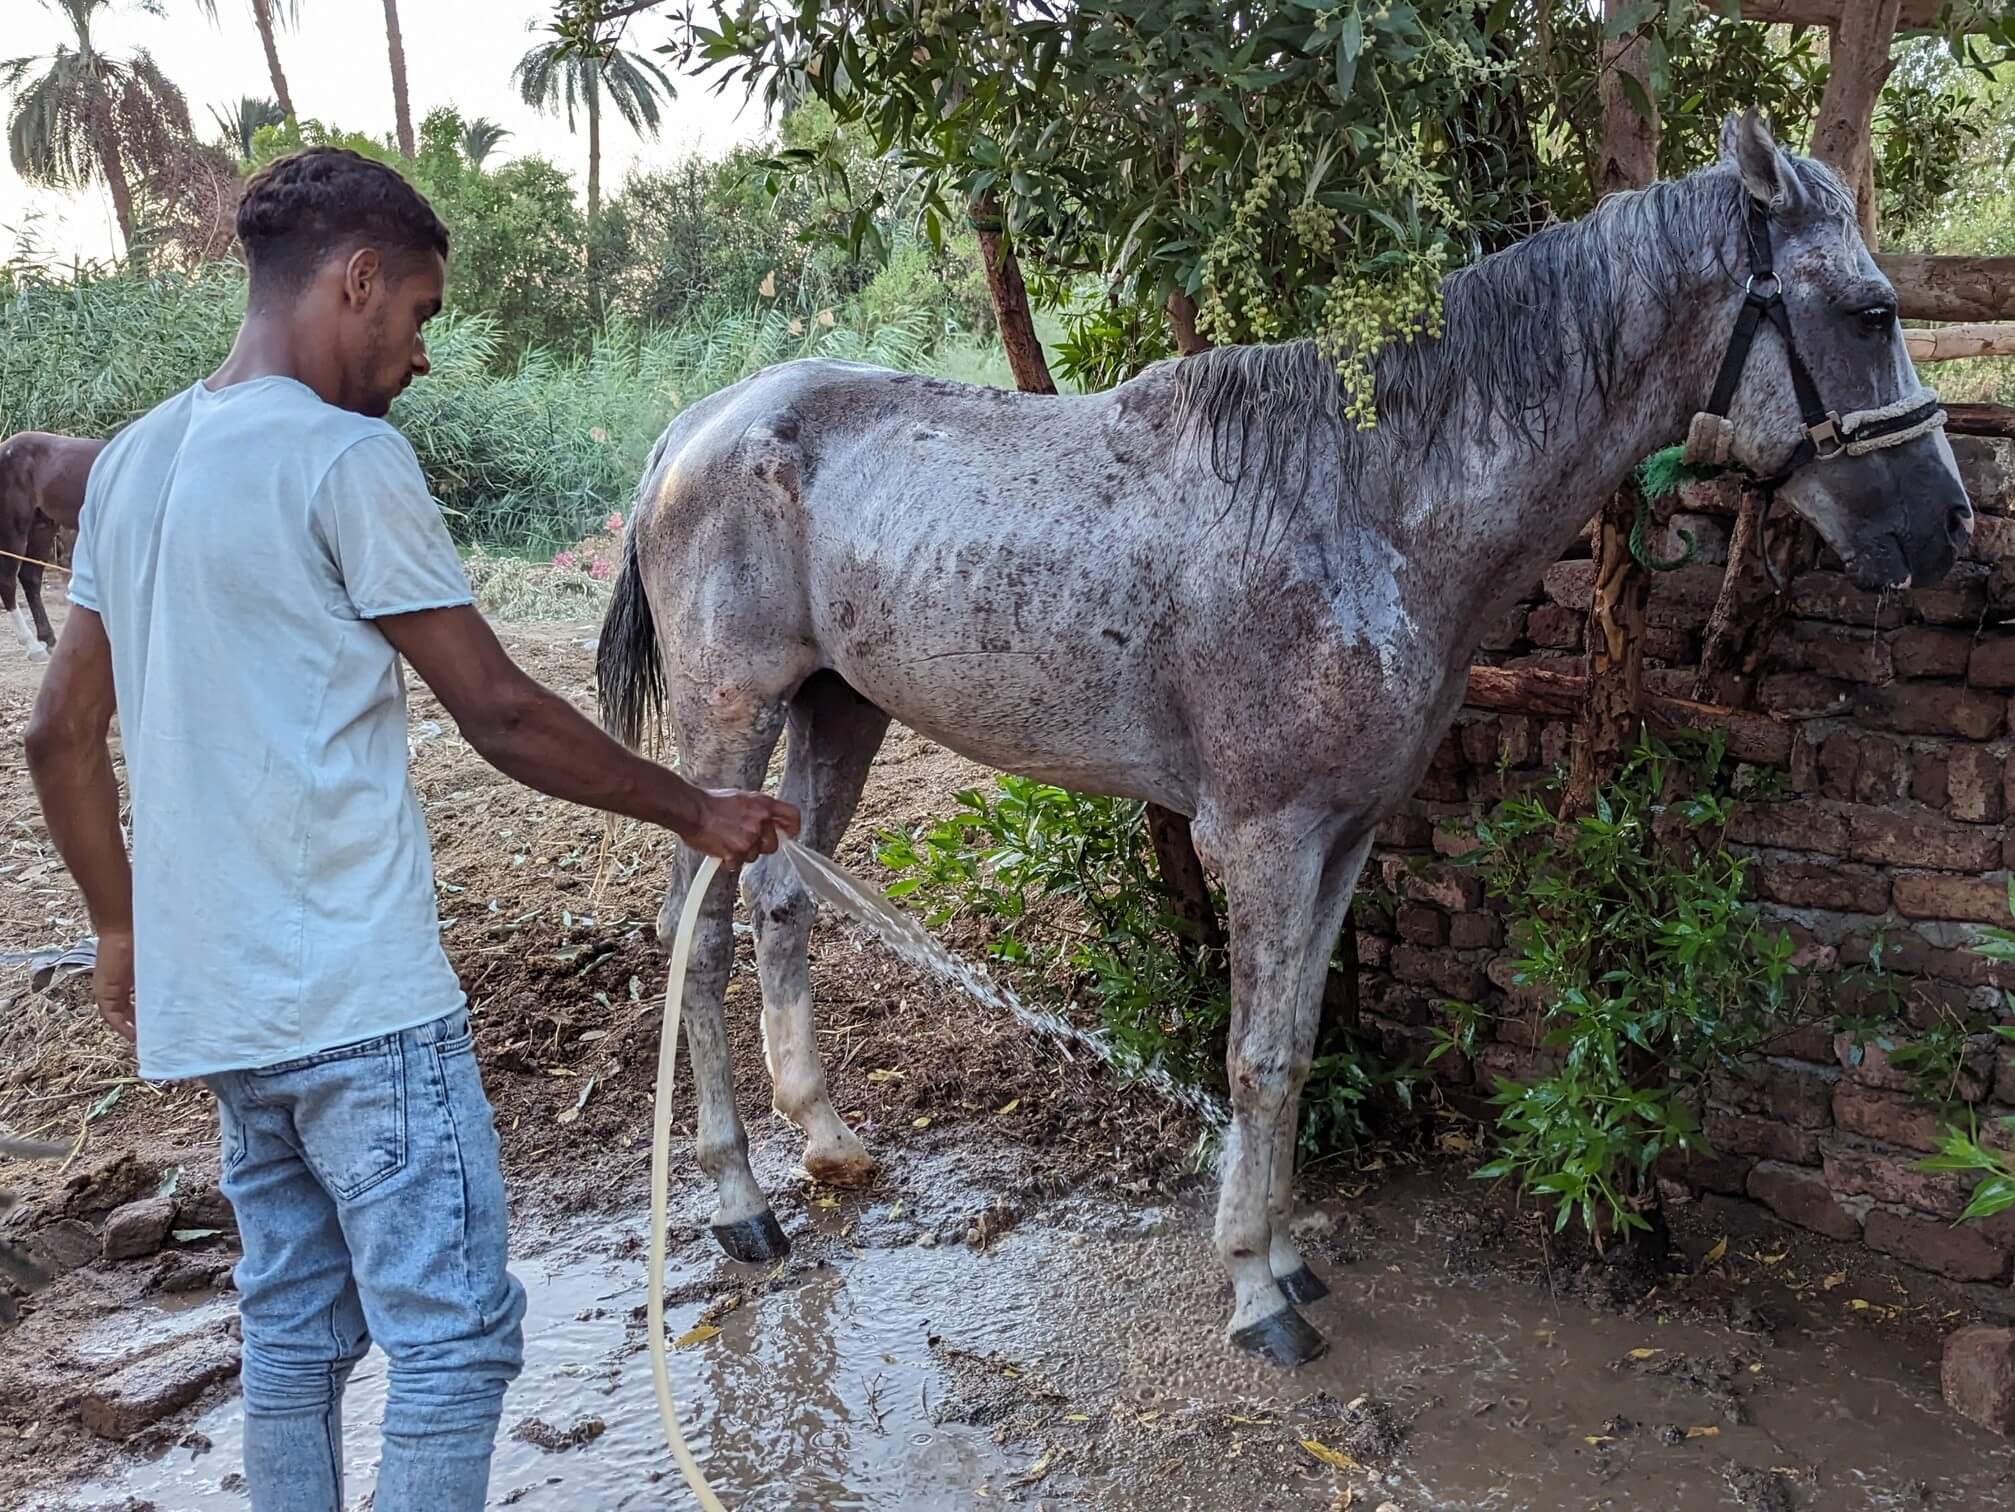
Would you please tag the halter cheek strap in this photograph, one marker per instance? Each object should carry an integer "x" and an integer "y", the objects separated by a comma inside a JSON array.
[{"x": 1711, "y": 435}]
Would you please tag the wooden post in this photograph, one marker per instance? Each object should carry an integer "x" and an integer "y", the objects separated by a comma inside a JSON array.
[
  {"x": 1616, "y": 619},
  {"x": 1843, "y": 134},
  {"x": 1010, "y": 299}
]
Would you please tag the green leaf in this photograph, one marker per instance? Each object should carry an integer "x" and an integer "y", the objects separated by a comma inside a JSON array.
[{"x": 1633, "y": 90}]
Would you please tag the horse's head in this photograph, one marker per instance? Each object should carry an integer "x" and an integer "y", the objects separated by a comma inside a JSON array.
[{"x": 1833, "y": 408}]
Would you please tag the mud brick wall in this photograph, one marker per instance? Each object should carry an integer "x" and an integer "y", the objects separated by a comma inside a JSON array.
[{"x": 1894, "y": 818}]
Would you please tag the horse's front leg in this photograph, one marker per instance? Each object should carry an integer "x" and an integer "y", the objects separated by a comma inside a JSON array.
[{"x": 1287, "y": 881}]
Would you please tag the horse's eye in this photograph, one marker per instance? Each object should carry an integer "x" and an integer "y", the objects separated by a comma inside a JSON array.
[{"x": 1878, "y": 318}]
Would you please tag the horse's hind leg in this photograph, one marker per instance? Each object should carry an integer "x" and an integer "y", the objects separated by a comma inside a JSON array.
[
  {"x": 41, "y": 542},
  {"x": 725, "y": 737},
  {"x": 1287, "y": 883},
  {"x": 833, "y": 736}
]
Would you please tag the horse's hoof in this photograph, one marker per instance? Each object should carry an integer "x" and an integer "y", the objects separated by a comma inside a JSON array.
[
  {"x": 1286, "y": 1339},
  {"x": 851, "y": 1171},
  {"x": 753, "y": 1241},
  {"x": 1302, "y": 1287}
]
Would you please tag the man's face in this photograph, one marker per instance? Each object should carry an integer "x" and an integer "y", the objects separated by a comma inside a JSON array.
[{"x": 387, "y": 305}]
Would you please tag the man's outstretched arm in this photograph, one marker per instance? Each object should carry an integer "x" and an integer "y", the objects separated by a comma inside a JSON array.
[
  {"x": 71, "y": 763},
  {"x": 533, "y": 735}
]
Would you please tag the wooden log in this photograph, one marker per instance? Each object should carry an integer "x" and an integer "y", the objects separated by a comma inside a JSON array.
[
  {"x": 1954, "y": 342},
  {"x": 1980, "y": 420},
  {"x": 1756, "y": 738},
  {"x": 1951, "y": 288},
  {"x": 1913, "y": 15}
]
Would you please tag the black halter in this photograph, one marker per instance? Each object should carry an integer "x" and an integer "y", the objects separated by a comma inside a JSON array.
[{"x": 1826, "y": 435}]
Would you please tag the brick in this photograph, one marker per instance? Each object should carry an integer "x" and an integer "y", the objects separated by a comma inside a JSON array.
[
  {"x": 1507, "y": 632},
  {"x": 1839, "y": 764},
  {"x": 1556, "y": 627},
  {"x": 1791, "y": 1090},
  {"x": 1803, "y": 695},
  {"x": 1497, "y": 1062},
  {"x": 1709, "y": 539},
  {"x": 1708, "y": 1173},
  {"x": 1976, "y": 783},
  {"x": 1445, "y": 973},
  {"x": 1993, "y": 663},
  {"x": 1931, "y": 777},
  {"x": 1448, "y": 886},
  {"x": 1373, "y": 952},
  {"x": 1977, "y": 1376},
  {"x": 1515, "y": 740},
  {"x": 1870, "y": 1065},
  {"x": 1422, "y": 924},
  {"x": 148, "y": 1390},
  {"x": 1993, "y": 539},
  {"x": 1404, "y": 831},
  {"x": 1923, "y": 708},
  {"x": 1806, "y": 1042},
  {"x": 1887, "y": 1117},
  {"x": 1909, "y": 955},
  {"x": 1837, "y": 651},
  {"x": 1824, "y": 884},
  {"x": 1800, "y": 1195},
  {"x": 1960, "y": 600},
  {"x": 1556, "y": 744},
  {"x": 1475, "y": 931},
  {"x": 1794, "y": 825},
  {"x": 1928, "y": 651},
  {"x": 1571, "y": 585},
  {"x": 1987, "y": 470},
  {"x": 1479, "y": 742},
  {"x": 1959, "y": 1251},
  {"x": 1769, "y": 1138},
  {"x": 1684, "y": 598},
  {"x": 1833, "y": 596},
  {"x": 1453, "y": 840},
  {"x": 1976, "y": 900},
  {"x": 138, "y": 1228},
  {"x": 1663, "y": 643},
  {"x": 1921, "y": 840},
  {"x": 1856, "y": 1169}
]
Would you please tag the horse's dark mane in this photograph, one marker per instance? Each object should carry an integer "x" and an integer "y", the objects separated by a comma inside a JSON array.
[{"x": 1529, "y": 336}]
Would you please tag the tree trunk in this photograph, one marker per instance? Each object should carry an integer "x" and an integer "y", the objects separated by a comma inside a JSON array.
[
  {"x": 1615, "y": 631},
  {"x": 1745, "y": 614},
  {"x": 1860, "y": 66},
  {"x": 401, "y": 106},
  {"x": 113, "y": 164},
  {"x": 594, "y": 149},
  {"x": 1182, "y": 321},
  {"x": 1010, "y": 298},
  {"x": 262, "y": 14}
]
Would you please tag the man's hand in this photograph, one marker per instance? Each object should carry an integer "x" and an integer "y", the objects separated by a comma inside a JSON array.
[
  {"x": 112, "y": 980},
  {"x": 738, "y": 827}
]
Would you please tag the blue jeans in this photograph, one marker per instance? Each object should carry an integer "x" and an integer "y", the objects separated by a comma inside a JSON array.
[{"x": 371, "y": 1204}]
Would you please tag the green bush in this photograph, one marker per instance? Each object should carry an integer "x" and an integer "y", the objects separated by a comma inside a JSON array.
[
  {"x": 1068, "y": 891},
  {"x": 1649, "y": 970},
  {"x": 1961, "y": 1149}
]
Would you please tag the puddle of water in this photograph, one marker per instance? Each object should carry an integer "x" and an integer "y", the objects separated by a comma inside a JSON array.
[
  {"x": 815, "y": 1395},
  {"x": 1103, "y": 1353}
]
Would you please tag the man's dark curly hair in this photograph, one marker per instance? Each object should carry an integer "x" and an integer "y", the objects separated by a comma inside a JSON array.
[{"x": 307, "y": 207}]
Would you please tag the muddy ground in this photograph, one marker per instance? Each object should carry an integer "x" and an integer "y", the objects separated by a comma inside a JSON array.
[{"x": 1023, "y": 1310}]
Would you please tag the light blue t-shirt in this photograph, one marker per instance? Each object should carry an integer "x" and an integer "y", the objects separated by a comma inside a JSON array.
[{"x": 237, "y": 544}]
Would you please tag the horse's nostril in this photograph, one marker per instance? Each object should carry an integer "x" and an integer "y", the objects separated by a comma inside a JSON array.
[{"x": 1961, "y": 522}]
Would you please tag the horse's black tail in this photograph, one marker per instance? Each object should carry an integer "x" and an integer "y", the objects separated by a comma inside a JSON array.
[{"x": 628, "y": 674}]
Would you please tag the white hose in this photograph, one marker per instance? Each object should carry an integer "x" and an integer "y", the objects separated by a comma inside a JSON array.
[{"x": 661, "y": 1148}]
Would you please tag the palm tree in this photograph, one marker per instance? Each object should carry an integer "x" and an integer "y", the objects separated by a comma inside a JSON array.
[
  {"x": 479, "y": 140},
  {"x": 269, "y": 16},
  {"x": 75, "y": 111},
  {"x": 240, "y": 122},
  {"x": 401, "y": 106},
  {"x": 554, "y": 73}
]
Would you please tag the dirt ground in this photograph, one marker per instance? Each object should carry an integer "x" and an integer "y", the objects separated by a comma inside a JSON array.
[{"x": 1086, "y": 1371}]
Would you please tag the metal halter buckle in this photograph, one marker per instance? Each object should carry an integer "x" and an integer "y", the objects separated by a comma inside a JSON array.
[
  {"x": 1776, "y": 286},
  {"x": 1826, "y": 439}
]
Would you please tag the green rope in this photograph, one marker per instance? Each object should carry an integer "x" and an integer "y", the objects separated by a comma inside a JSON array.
[{"x": 1658, "y": 476}]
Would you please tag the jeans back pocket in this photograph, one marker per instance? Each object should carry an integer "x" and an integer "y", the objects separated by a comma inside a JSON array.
[{"x": 349, "y": 1112}]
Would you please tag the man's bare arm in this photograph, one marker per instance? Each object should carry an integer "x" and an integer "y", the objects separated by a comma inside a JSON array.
[
  {"x": 532, "y": 734},
  {"x": 71, "y": 763},
  {"x": 52, "y": 471}
]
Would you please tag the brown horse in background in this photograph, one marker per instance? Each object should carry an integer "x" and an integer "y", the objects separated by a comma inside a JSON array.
[{"x": 42, "y": 480}]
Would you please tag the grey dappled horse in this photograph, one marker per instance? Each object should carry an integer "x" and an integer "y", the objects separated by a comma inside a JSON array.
[{"x": 1204, "y": 589}]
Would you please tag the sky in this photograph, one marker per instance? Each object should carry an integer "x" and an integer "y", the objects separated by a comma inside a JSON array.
[{"x": 458, "y": 52}]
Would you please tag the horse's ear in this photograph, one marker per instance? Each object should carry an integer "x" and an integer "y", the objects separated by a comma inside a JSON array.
[{"x": 1746, "y": 143}]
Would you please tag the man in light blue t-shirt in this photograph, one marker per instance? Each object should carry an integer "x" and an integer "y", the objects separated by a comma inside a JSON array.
[{"x": 254, "y": 558}]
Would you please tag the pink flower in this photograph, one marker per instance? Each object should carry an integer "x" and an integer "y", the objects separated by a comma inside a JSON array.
[
  {"x": 614, "y": 523},
  {"x": 598, "y": 569},
  {"x": 563, "y": 559}
]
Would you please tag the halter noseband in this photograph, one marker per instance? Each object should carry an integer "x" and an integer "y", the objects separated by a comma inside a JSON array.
[{"x": 1827, "y": 435}]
